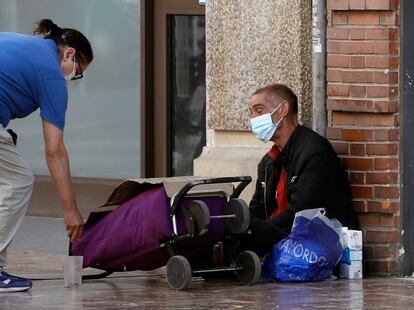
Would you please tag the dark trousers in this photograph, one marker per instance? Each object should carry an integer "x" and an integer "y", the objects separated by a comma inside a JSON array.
[{"x": 262, "y": 237}]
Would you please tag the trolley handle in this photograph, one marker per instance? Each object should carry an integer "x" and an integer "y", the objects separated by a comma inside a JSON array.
[{"x": 244, "y": 181}]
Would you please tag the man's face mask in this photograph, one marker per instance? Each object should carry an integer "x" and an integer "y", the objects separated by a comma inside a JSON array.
[{"x": 263, "y": 126}]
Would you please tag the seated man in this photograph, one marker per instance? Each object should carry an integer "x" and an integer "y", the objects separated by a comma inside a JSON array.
[{"x": 301, "y": 171}]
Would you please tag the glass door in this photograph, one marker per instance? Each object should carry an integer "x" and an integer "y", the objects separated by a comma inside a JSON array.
[
  {"x": 179, "y": 125},
  {"x": 188, "y": 91}
]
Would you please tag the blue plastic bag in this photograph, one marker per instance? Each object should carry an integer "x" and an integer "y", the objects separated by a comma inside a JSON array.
[{"x": 309, "y": 253}]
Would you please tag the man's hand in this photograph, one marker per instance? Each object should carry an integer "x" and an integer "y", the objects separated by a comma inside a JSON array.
[{"x": 74, "y": 223}]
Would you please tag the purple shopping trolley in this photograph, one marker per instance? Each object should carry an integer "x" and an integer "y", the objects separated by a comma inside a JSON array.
[{"x": 189, "y": 225}]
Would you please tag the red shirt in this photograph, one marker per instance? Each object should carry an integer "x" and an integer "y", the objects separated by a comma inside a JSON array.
[{"x": 280, "y": 194}]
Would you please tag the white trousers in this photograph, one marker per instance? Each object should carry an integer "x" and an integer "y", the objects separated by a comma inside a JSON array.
[{"x": 16, "y": 183}]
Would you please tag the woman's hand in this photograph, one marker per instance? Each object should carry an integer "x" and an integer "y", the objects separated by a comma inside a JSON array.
[{"x": 74, "y": 223}]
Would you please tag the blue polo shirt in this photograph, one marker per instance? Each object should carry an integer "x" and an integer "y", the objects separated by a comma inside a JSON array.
[{"x": 31, "y": 78}]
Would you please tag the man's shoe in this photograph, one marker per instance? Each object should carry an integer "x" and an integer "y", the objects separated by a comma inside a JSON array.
[{"x": 9, "y": 283}]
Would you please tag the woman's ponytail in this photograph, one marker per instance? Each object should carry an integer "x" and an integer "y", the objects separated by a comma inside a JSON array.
[
  {"x": 65, "y": 36},
  {"x": 49, "y": 30}
]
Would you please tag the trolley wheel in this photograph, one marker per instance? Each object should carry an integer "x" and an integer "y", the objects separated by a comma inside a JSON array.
[
  {"x": 178, "y": 272},
  {"x": 251, "y": 265},
  {"x": 239, "y": 223},
  {"x": 197, "y": 218}
]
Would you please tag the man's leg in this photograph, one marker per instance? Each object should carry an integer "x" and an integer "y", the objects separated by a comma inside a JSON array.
[
  {"x": 262, "y": 237},
  {"x": 16, "y": 183}
]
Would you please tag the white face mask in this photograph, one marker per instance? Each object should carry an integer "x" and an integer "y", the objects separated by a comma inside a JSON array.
[
  {"x": 263, "y": 126},
  {"x": 71, "y": 75}
]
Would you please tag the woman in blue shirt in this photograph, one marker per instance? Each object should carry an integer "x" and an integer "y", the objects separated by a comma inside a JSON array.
[{"x": 34, "y": 72}]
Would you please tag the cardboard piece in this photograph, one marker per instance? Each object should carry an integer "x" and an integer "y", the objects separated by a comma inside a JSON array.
[{"x": 128, "y": 189}]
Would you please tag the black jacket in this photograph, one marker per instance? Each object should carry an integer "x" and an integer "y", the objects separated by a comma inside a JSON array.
[{"x": 315, "y": 179}]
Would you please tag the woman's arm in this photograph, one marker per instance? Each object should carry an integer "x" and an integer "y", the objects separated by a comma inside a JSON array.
[{"x": 58, "y": 162}]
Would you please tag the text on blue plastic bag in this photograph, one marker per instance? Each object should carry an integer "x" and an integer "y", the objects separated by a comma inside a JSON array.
[{"x": 300, "y": 251}]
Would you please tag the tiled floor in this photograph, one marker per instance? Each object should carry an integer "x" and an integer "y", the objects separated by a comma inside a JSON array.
[{"x": 149, "y": 290}]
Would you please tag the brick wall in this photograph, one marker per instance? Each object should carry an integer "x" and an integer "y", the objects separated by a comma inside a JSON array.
[{"x": 363, "y": 105}]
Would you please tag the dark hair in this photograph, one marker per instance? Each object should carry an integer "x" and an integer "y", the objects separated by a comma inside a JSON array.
[
  {"x": 282, "y": 92},
  {"x": 66, "y": 36}
]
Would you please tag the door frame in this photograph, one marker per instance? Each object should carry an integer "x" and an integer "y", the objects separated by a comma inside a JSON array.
[
  {"x": 154, "y": 82},
  {"x": 147, "y": 87},
  {"x": 406, "y": 130}
]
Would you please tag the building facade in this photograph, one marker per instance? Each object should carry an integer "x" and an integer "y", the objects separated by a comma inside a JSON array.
[{"x": 369, "y": 83}]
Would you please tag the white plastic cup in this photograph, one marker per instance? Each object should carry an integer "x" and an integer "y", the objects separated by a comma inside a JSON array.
[{"x": 72, "y": 270}]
